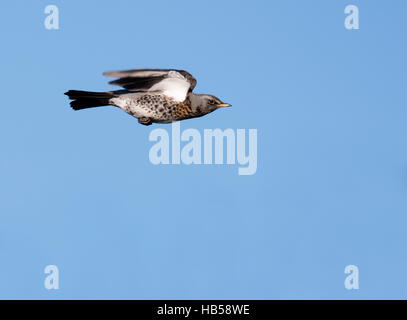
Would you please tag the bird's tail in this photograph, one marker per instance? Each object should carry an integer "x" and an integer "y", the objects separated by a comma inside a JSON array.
[{"x": 88, "y": 99}]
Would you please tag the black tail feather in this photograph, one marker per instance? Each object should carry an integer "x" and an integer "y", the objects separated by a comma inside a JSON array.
[{"x": 87, "y": 99}]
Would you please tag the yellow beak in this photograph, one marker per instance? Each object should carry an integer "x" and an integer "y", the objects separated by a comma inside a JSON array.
[{"x": 224, "y": 105}]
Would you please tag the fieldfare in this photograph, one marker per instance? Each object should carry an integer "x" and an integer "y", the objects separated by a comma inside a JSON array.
[{"x": 151, "y": 95}]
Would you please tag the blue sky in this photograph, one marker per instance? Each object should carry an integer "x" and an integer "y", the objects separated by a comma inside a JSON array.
[{"x": 78, "y": 191}]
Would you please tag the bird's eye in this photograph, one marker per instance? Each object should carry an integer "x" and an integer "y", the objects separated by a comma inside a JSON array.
[{"x": 212, "y": 102}]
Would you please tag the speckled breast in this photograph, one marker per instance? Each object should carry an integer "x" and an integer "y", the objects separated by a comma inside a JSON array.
[{"x": 163, "y": 109}]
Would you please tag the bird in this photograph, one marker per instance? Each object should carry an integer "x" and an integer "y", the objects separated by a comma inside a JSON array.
[{"x": 151, "y": 96}]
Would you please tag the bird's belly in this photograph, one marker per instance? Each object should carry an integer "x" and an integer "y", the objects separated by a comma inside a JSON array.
[
  {"x": 161, "y": 115},
  {"x": 139, "y": 111},
  {"x": 155, "y": 107}
]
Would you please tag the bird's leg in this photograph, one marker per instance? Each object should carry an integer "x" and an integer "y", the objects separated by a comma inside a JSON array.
[{"x": 145, "y": 121}]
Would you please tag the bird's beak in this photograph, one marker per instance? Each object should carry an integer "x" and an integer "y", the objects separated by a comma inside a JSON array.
[{"x": 223, "y": 105}]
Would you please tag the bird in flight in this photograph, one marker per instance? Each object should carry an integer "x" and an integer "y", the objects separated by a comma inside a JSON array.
[{"x": 151, "y": 96}]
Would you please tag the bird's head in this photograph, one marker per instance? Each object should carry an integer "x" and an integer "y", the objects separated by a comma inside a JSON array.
[{"x": 206, "y": 103}]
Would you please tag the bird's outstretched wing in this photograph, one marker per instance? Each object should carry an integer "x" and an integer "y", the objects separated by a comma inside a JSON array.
[{"x": 172, "y": 83}]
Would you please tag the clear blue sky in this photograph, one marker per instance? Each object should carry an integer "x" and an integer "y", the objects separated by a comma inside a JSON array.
[{"x": 78, "y": 191}]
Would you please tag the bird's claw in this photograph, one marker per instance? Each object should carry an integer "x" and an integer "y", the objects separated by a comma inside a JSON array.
[{"x": 145, "y": 121}]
